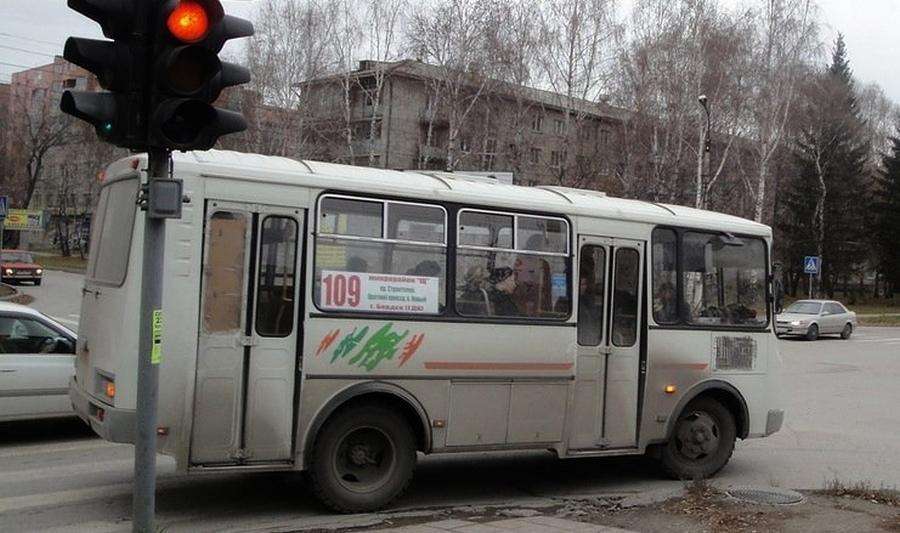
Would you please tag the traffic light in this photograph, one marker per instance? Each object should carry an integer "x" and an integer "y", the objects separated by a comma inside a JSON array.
[
  {"x": 161, "y": 70},
  {"x": 117, "y": 64},
  {"x": 188, "y": 75}
]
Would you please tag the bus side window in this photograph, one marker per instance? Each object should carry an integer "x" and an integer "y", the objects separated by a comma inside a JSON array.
[
  {"x": 275, "y": 286},
  {"x": 625, "y": 299},
  {"x": 665, "y": 271},
  {"x": 590, "y": 295}
]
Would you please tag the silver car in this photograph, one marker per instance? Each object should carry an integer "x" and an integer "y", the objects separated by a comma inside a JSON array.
[
  {"x": 811, "y": 318},
  {"x": 36, "y": 361}
]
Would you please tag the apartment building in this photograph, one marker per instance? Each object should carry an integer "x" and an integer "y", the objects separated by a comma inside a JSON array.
[{"x": 412, "y": 115}]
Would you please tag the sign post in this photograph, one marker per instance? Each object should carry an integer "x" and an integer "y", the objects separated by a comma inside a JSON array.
[
  {"x": 4, "y": 208},
  {"x": 812, "y": 265}
]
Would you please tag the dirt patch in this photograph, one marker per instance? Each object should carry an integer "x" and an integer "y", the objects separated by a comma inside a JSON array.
[
  {"x": 700, "y": 508},
  {"x": 23, "y": 299},
  {"x": 6, "y": 290}
]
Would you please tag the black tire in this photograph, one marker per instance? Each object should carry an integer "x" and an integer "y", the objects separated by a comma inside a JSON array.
[
  {"x": 702, "y": 441},
  {"x": 812, "y": 333},
  {"x": 847, "y": 331},
  {"x": 363, "y": 459}
]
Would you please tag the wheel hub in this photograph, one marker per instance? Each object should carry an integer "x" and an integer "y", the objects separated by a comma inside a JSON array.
[
  {"x": 359, "y": 455},
  {"x": 698, "y": 436}
]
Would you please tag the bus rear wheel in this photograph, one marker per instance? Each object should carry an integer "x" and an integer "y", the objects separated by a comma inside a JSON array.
[
  {"x": 363, "y": 459},
  {"x": 702, "y": 442}
]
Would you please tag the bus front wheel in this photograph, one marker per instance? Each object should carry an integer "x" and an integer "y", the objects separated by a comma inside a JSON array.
[
  {"x": 702, "y": 442},
  {"x": 363, "y": 459}
]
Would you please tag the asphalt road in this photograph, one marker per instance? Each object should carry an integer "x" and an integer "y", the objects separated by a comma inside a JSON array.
[
  {"x": 59, "y": 296},
  {"x": 842, "y": 423}
]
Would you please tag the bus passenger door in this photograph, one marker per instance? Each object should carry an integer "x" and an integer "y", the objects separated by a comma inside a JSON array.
[
  {"x": 247, "y": 349},
  {"x": 586, "y": 428},
  {"x": 623, "y": 344}
]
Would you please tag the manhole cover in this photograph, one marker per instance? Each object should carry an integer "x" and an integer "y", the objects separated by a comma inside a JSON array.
[{"x": 768, "y": 495}]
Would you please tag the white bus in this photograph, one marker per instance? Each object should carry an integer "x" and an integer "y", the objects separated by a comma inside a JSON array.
[{"x": 340, "y": 319}]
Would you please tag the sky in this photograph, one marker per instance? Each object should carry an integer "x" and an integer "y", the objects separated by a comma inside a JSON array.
[{"x": 32, "y": 31}]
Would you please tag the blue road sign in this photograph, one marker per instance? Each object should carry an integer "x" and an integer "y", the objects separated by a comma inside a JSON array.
[
  {"x": 811, "y": 264},
  {"x": 4, "y": 206}
]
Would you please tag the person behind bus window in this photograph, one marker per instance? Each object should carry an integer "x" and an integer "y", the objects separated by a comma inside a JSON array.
[
  {"x": 665, "y": 305},
  {"x": 502, "y": 288}
]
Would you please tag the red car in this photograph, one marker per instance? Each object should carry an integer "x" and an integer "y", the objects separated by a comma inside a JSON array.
[{"x": 18, "y": 265}]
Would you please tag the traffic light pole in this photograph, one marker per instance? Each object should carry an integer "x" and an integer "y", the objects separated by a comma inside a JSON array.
[{"x": 149, "y": 352}]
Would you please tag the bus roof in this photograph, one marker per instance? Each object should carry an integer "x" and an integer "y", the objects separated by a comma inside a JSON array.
[{"x": 445, "y": 186}]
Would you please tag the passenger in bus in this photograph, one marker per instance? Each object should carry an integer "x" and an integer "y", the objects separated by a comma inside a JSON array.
[
  {"x": 357, "y": 264},
  {"x": 474, "y": 299},
  {"x": 502, "y": 288},
  {"x": 532, "y": 294},
  {"x": 427, "y": 267},
  {"x": 665, "y": 306}
]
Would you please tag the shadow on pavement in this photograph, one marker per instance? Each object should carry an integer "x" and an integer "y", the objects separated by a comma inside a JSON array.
[
  {"x": 44, "y": 431},
  {"x": 464, "y": 479}
]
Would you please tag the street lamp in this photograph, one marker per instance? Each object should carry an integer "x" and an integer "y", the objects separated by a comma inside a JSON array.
[{"x": 704, "y": 103}]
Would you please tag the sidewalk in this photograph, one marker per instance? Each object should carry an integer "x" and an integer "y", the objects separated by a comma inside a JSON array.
[{"x": 531, "y": 524}]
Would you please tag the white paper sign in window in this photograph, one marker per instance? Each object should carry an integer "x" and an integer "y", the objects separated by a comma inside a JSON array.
[{"x": 383, "y": 293}]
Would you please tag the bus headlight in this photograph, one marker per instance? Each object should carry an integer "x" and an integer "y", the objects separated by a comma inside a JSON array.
[
  {"x": 9, "y": 271},
  {"x": 39, "y": 271}
]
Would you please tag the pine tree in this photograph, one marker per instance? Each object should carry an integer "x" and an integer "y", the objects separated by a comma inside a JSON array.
[
  {"x": 887, "y": 208},
  {"x": 829, "y": 197}
]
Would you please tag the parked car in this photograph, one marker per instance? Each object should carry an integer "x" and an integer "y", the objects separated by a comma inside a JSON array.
[
  {"x": 37, "y": 358},
  {"x": 18, "y": 265},
  {"x": 811, "y": 318}
]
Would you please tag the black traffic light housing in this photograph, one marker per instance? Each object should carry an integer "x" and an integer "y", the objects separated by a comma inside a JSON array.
[
  {"x": 161, "y": 69},
  {"x": 188, "y": 75}
]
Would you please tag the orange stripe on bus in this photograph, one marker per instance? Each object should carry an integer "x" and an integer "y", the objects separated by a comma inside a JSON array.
[
  {"x": 692, "y": 366},
  {"x": 449, "y": 365}
]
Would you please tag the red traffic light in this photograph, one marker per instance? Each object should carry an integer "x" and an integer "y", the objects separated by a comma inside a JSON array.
[{"x": 188, "y": 22}]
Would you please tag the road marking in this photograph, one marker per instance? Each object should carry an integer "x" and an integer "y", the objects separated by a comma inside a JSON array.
[
  {"x": 35, "y": 474},
  {"x": 63, "y": 497},
  {"x": 40, "y": 449},
  {"x": 883, "y": 339}
]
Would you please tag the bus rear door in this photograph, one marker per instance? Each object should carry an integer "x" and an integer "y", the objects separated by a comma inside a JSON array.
[{"x": 247, "y": 360}]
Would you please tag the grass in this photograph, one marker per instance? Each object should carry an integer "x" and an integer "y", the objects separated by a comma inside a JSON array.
[
  {"x": 882, "y": 320},
  {"x": 862, "y": 490},
  {"x": 58, "y": 262}
]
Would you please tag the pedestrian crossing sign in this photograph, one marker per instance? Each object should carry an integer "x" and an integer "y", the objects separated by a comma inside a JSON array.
[{"x": 811, "y": 264}]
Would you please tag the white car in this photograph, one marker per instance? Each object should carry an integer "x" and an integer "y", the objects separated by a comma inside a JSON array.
[
  {"x": 811, "y": 318},
  {"x": 36, "y": 361}
]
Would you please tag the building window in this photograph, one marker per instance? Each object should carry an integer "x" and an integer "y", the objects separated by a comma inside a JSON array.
[
  {"x": 560, "y": 126},
  {"x": 537, "y": 123},
  {"x": 510, "y": 265},
  {"x": 490, "y": 154},
  {"x": 604, "y": 137},
  {"x": 380, "y": 256},
  {"x": 69, "y": 83},
  {"x": 557, "y": 158},
  {"x": 534, "y": 155}
]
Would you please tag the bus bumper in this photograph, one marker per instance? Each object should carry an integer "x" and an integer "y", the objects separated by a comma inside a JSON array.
[
  {"x": 774, "y": 421},
  {"x": 110, "y": 423}
]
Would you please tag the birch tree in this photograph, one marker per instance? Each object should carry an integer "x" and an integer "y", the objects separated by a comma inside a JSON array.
[
  {"x": 382, "y": 23},
  {"x": 451, "y": 37},
  {"x": 785, "y": 41},
  {"x": 290, "y": 47},
  {"x": 578, "y": 43}
]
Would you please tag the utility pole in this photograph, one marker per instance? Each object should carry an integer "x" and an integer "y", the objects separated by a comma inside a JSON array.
[
  {"x": 162, "y": 73},
  {"x": 149, "y": 349}
]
